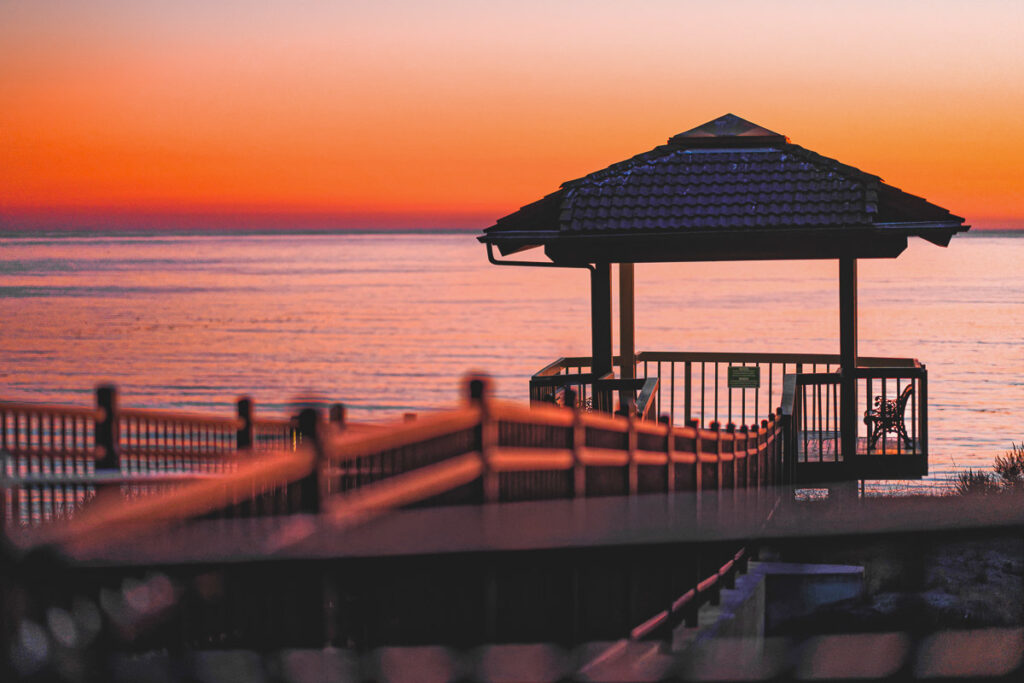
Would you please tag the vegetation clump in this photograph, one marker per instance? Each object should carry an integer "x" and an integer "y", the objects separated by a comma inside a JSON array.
[{"x": 1007, "y": 475}]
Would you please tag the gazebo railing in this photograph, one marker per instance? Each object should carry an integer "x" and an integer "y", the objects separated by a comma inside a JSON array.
[
  {"x": 892, "y": 429},
  {"x": 895, "y": 441},
  {"x": 599, "y": 394},
  {"x": 696, "y": 386},
  {"x": 693, "y": 385}
]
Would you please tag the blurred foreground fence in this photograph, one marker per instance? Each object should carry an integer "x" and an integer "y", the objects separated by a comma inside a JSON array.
[{"x": 56, "y": 458}]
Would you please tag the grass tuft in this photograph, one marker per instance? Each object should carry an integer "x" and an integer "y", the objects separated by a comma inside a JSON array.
[{"x": 1007, "y": 475}]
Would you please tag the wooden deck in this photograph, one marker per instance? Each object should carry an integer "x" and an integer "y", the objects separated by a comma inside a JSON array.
[{"x": 607, "y": 522}]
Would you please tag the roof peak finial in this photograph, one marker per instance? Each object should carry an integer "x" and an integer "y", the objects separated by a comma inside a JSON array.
[{"x": 726, "y": 126}]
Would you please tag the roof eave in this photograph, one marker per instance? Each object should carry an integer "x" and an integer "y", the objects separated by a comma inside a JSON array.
[
  {"x": 779, "y": 243},
  {"x": 938, "y": 233}
]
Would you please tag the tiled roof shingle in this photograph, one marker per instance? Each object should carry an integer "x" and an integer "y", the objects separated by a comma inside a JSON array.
[{"x": 682, "y": 189}]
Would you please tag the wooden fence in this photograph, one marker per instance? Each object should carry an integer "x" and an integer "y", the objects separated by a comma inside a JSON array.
[
  {"x": 484, "y": 451},
  {"x": 53, "y": 459}
]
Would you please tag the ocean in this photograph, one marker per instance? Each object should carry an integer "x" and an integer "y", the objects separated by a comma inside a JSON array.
[{"x": 390, "y": 323}]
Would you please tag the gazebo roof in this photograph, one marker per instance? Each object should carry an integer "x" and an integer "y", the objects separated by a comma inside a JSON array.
[{"x": 726, "y": 190}]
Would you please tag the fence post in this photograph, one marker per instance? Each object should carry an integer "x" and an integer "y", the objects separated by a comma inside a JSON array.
[
  {"x": 746, "y": 454},
  {"x": 763, "y": 456},
  {"x": 633, "y": 470},
  {"x": 106, "y": 428},
  {"x": 718, "y": 452},
  {"x": 670, "y": 449},
  {"x": 922, "y": 430},
  {"x": 698, "y": 472},
  {"x": 579, "y": 442},
  {"x": 731, "y": 429},
  {"x": 311, "y": 488},
  {"x": 336, "y": 416},
  {"x": 244, "y": 436},
  {"x": 779, "y": 446},
  {"x": 688, "y": 391},
  {"x": 691, "y": 612},
  {"x": 479, "y": 390},
  {"x": 754, "y": 467},
  {"x": 486, "y": 437},
  {"x": 777, "y": 425}
]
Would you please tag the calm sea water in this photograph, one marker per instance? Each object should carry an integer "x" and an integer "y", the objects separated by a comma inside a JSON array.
[{"x": 390, "y": 323}]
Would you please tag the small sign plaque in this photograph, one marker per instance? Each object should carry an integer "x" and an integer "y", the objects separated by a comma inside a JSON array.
[{"x": 744, "y": 377}]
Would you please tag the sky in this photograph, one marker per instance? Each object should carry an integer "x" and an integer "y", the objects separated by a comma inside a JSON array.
[{"x": 452, "y": 113}]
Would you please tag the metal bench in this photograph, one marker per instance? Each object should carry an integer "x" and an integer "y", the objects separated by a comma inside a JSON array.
[{"x": 887, "y": 416}]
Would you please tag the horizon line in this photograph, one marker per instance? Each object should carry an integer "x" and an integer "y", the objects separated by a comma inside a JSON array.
[
  {"x": 118, "y": 220},
  {"x": 78, "y": 232}
]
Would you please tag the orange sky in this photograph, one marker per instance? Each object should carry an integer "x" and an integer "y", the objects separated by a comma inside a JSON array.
[{"x": 365, "y": 114}]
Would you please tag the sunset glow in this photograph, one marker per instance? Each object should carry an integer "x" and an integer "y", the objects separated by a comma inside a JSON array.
[{"x": 401, "y": 114}]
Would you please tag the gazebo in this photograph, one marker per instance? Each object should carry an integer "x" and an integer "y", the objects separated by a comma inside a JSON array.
[{"x": 731, "y": 190}]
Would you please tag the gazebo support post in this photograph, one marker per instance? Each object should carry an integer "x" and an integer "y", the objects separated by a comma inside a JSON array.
[
  {"x": 601, "y": 324},
  {"x": 627, "y": 327},
  {"x": 848, "y": 356}
]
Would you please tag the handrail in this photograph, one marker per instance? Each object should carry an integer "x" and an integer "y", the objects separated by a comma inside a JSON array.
[
  {"x": 735, "y": 357},
  {"x": 890, "y": 372},
  {"x": 562, "y": 380},
  {"x": 346, "y": 445},
  {"x": 407, "y": 488},
  {"x": 751, "y": 357},
  {"x": 552, "y": 368},
  {"x": 102, "y": 478},
  {"x": 48, "y": 408},
  {"x": 343, "y": 446},
  {"x": 684, "y": 608},
  {"x": 815, "y": 378},
  {"x": 538, "y": 413}
]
